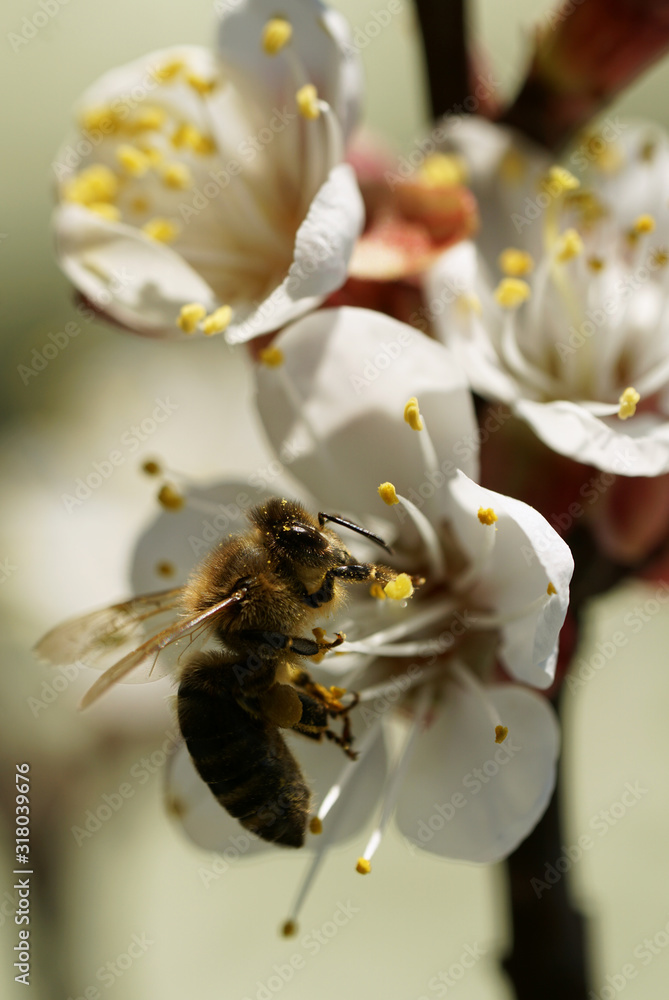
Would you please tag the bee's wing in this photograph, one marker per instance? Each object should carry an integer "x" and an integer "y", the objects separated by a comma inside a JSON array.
[
  {"x": 100, "y": 637},
  {"x": 149, "y": 651}
]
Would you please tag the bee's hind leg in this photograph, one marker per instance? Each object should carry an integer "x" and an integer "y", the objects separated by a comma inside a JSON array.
[{"x": 314, "y": 722}]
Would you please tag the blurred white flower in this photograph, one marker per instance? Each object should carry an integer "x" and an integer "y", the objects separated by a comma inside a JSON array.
[
  {"x": 575, "y": 335},
  {"x": 205, "y": 192},
  {"x": 333, "y": 393}
]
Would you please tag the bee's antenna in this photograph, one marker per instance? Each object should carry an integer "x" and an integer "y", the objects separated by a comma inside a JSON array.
[{"x": 322, "y": 518}]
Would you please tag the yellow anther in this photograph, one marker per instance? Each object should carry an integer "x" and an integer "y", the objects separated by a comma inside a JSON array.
[
  {"x": 289, "y": 929},
  {"x": 468, "y": 303},
  {"x": 200, "y": 84},
  {"x": 515, "y": 263},
  {"x": 105, "y": 210},
  {"x": 93, "y": 184},
  {"x": 175, "y": 806},
  {"x": 660, "y": 257},
  {"x": 149, "y": 119},
  {"x": 170, "y": 498},
  {"x": 154, "y": 155},
  {"x": 140, "y": 204},
  {"x": 377, "y": 591},
  {"x": 550, "y": 589},
  {"x": 186, "y": 135},
  {"x": 388, "y": 494},
  {"x": 562, "y": 180},
  {"x": 133, "y": 160},
  {"x": 644, "y": 224},
  {"x": 162, "y": 230},
  {"x": 363, "y": 866},
  {"x": 512, "y": 166},
  {"x": 190, "y": 315},
  {"x": 177, "y": 176},
  {"x": 628, "y": 402},
  {"x": 337, "y": 692},
  {"x": 512, "y": 292},
  {"x": 412, "y": 415},
  {"x": 276, "y": 33},
  {"x": 568, "y": 246},
  {"x": 648, "y": 149},
  {"x": 604, "y": 154},
  {"x": 102, "y": 119},
  {"x": 151, "y": 467},
  {"x": 315, "y": 825},
  {"x": 501, "y": 733},
  {"x": 168, "y": 71},
  {"x": 272, "y": 357},
  {"x": 165, "y": 568},
  {"x": 487, "y": 515},
  {"x": 217, "y": 321},
  {"x": 400, "y": 588},
  {"x": 443, "y": 170},
  {"x": 307, "y": 102},
  {"x": 596, "y": 263}
]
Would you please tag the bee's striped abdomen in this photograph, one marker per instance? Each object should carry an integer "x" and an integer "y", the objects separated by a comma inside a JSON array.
[{"x": 243, "y": 759}]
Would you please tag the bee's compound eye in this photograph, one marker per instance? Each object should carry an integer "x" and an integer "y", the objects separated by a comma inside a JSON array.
[{"x": 306, "y": 534}]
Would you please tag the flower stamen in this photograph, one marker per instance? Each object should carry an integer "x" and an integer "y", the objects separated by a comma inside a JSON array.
[
  {"x": 425, "y": 528},
  {"x": 394, "y": 782},
  {"x": 308, "y": 103},
  {"x": 276, "y": 34},
  {"x": 190, "y": 315},
  {"x": 515, "y": 263},
  {"x": 628, "y": 403}
]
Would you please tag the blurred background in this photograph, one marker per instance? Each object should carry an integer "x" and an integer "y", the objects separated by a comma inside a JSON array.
[{"x": 137, "y": 877}]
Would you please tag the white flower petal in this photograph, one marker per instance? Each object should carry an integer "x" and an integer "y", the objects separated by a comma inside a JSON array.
[
  {"x": 572, "y": 430},
  {"x": 455, "y": 276},
  {"x": 323, "y": 246},
  {"x": 467, "y": 799},
  {"x": 137, "y": 281},
  {"x": 321, "y": 41},
  {"x": 527, "y": 556},
  {"x": 183, "y": 538},
  {"x": 503, "y": 171},
  {"x": 335, "y": 407}
]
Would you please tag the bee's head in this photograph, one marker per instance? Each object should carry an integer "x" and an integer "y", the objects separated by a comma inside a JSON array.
[{"x": 292, "y": 534}]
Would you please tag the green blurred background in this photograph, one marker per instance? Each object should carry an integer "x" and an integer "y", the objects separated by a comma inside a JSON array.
[{"x": 137, "y": 876}]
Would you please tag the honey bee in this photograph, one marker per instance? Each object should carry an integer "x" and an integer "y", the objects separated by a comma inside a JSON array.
[{"x": 254, "y": 595}]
